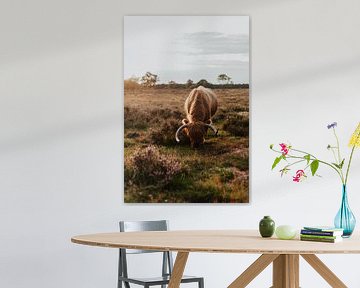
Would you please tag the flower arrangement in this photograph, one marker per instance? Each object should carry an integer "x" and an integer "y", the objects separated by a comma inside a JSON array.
[{"x": 293, "y": 156}]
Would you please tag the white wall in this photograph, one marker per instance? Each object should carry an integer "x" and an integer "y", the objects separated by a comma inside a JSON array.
[{"x": 61, "y": 124}]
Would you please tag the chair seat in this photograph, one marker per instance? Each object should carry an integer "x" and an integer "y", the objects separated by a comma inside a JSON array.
[{"x": 158, "y": 280}]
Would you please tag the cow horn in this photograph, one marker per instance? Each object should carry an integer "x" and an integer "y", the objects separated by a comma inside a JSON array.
[
  {"x": 213, "y": 128},
  {"x": 178, "y": 131}
]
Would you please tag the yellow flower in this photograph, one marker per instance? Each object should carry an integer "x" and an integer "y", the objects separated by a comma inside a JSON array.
[{"x": 355, "y": 137}]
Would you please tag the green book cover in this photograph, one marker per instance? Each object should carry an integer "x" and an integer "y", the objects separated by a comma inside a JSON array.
[
  {"x": 321, "y": 240},
  {"x": 323, "y": 228},
  {"x": 319, "y": 236}
]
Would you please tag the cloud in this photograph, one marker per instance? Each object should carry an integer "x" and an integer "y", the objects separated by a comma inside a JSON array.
[
  {"x": 206, "y": 54},
  {"x": 209, "y": 43},
  {"x": 222, "y": 63}
]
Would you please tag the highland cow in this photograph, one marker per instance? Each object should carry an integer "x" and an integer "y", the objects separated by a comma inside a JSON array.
[{"x": 200, "y": 106}]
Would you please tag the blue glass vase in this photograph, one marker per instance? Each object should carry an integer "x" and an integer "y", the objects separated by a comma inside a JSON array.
[{"x": 345, "y": 219}]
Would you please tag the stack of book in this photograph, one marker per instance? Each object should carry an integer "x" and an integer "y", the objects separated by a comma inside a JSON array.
[{"x": 321, "y": 234}]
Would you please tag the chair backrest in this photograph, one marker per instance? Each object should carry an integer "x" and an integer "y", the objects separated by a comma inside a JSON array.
[
  {"x": 137, "y": 226},
  {"x": 134, "y": 226}
]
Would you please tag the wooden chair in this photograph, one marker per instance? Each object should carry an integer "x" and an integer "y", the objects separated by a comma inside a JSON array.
[{"x": 167, "y": 262}]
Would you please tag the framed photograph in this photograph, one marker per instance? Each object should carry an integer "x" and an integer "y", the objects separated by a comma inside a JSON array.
[{"x": 186, "y": 98}]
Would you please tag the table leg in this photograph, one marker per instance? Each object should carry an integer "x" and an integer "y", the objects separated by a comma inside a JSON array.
[
  {"x": 253, "y": 270},
  {"x": 324, "y": 271},
  {"x": 178, "y": 269},
  {"x": 286, "y": 271}
]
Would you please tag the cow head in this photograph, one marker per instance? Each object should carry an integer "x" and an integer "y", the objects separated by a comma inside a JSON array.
[{"x": 195, "y": 131}]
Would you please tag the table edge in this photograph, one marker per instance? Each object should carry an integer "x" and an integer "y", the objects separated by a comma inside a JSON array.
[{"x": 203, "y": 250}]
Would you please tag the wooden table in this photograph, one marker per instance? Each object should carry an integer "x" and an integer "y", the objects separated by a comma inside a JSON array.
[{"x": 284, "y": 254}]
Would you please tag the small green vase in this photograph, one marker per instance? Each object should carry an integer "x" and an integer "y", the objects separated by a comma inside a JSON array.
[{"x": 267, "y": 227}]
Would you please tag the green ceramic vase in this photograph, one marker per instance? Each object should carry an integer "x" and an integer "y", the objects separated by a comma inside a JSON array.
[{"x": 266, "y": 227}]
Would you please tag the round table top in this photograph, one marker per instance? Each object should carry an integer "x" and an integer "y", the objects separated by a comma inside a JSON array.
[{"x": 220, "y": 241}]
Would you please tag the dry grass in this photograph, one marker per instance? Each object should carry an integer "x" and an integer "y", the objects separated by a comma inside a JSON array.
[{"x": 216, "y": 172}]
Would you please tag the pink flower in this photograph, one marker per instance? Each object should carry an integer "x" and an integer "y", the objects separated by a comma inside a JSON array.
[
  {"x": 300, "y": 174},
  {"x": 284, "y": 148}
]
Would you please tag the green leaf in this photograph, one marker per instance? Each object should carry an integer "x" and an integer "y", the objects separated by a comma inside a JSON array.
[
  {"x": 276, "y": 162},
  {"x": 339, "y": 166},
  {"x": 342, "y": 163},
  {"x": 314, "y": 166},
  {"x": 307, "y": 157},
  {"x": 271, "y": 146},
  {"x": 336, "y": 165}
]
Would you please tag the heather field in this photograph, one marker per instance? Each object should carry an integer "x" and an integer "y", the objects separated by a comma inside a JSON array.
[{"x": 159, "y": 170}]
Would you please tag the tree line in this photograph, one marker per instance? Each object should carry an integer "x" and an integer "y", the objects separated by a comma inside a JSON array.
[{"x": 152, "y": 80}]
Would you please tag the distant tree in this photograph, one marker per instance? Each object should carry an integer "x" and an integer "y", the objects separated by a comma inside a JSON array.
[
  {"x": 149, "y": 79},
  {"x": 203, "y": 82},
  {"x": 171, "y": 82},
  {"x": 189, "y": 82},
  {"x": 132, "y": 83},
  {"x": 224, "y": 79}
]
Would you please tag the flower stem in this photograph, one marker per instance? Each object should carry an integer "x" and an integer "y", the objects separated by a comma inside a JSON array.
[
  {"x": 339, "y": 156},
  {"x": 338, "y": 146},
  {"x": 296, "y": 162},
  {"x": 304, "y": 152},
  {"x": 314, "y": 158},
  {"x": 333, "y": 152},
  {"x": 338, "y": 171},
  {"x": 348, "y": 167}
]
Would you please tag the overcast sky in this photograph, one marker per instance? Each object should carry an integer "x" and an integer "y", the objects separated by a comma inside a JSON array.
[{"x": 179, "y": 48}]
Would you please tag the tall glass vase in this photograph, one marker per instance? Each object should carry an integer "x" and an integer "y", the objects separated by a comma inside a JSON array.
[{"x": 345, "y": 219}]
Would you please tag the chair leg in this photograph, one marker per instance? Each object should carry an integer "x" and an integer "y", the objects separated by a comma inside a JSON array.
[
  {"x": 126, "y": 284},
  {"x": 201, "y": 283}
]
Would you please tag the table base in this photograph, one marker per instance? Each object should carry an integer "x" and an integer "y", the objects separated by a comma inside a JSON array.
[{"x": 285, "y": 270}]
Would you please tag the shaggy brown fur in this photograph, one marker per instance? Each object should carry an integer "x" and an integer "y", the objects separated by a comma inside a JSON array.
[{"x": 200, "y": 106}]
